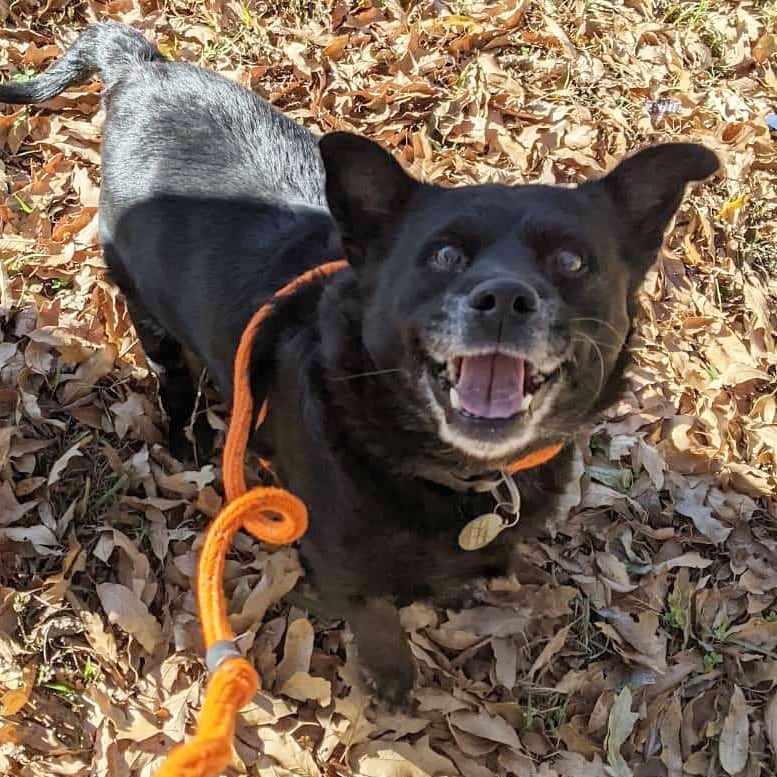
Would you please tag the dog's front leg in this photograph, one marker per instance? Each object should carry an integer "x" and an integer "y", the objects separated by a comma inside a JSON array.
[{"x": 384, "y": 652}]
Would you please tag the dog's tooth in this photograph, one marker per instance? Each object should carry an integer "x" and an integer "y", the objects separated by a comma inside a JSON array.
[
  {"x": 527, "y": 398},
  {"x": 452, "y": 376},
  {"x": 455, "y": 401}
]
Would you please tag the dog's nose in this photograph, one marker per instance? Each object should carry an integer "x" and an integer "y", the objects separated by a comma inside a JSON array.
[{"x": 504, "y": 297}]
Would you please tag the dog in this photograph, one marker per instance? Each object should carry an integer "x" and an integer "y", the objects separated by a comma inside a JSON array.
[{"x": 473, "y": 326}]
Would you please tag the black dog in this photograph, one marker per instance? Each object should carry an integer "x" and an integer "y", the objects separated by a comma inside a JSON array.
[{"x": 474, "y": 325}]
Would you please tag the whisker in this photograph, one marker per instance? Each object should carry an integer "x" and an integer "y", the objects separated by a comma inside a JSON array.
[
  {"x": 607, "y": 325},
  {"x": 583, "y": 337},
  {"x": 601, "y": 361},
  {"x": 367, "y": 374}
]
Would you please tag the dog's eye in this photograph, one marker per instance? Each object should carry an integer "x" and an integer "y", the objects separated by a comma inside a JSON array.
[
  {"x": 448, "y": 257},
  {"x": 570, "y": 263}
]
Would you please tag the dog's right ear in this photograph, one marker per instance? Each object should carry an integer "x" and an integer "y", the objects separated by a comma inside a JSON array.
[
  {"x": 646, "y": 190},
  {"x": 367, "y": 191}
]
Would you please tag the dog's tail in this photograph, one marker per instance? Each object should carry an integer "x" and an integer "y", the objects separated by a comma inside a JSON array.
[{"x": 105, "y": 49}]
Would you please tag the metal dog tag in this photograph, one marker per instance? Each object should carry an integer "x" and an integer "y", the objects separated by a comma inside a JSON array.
[
  {"x": 487, "y": 527},
  {"x": 480, "y": 531}
]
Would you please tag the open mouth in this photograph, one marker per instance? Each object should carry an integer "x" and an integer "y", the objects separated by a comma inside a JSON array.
[{"x": 491, "y": 386}]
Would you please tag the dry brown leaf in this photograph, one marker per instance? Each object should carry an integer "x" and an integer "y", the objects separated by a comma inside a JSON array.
[
  {"x": 10, "y": 508},
  {"x": 60, "y": 465},
  {"x": 702, "y": 518},
  {"x": 13, "y": 702},
  {"x": 108, "y": 758},
  {"x": 619, "y": 725},
  {"x": 41, "y": 538},
  {"x": 297, "y": 650},
  {"x": 96, "y": 367},
  {"x": 302, "y": 686},
  {"x": 125, "y": 609},
  {"x": 770, "y": 718},
  {"x": 735, "y": 735},
  {"x": 765, "y": 47},
  {"x": 188, "y": 483},
  {"x": 575, "y": 737},
  {"x": 131, "y": 417},
  {"x": 288, "y": 752},
  {"x": 492, "y": 728},
  {"x": 642, "y": 634},
  {"x": 102, "y": 641},
  {"x": 671, "y": 752},
  {"x": 280, "y": 576},
  {"x": 553, "y": 646},
  {"x": 401, "y": 759},
  {"x": 506, "y": 655}
]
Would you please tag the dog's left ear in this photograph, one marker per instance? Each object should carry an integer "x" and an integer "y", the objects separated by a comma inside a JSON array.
[
  {"x": 366, "y": 189},
  {"x": 646, "y": 189}
]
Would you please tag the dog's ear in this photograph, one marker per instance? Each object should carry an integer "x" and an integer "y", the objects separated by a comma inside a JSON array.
[
  {"x": 646, "y": 189},
  {"x": 366, "y": 189}
]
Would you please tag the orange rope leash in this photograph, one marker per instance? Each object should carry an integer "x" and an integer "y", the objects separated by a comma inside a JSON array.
[
  {"x": 234, "y": 681},
  {"x": 271, "y": 515}
]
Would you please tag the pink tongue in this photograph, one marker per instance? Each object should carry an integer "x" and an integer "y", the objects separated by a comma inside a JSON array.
[{"x": 491, "y": 386}]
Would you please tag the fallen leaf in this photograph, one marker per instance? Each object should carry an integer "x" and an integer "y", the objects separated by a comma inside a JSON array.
[
  {"x": 131, "y": 417},
  {"x": 96, "y": 367},
  {"x": 619, "y": 726},
  {"x": 702, "y": 518},
  {"x": 642, "y": 634},
  {"x": 41, "y": 538},
  {"x": 493, "y": 728},
  {"x": 13, "y": 702},
  {"x": 671, "y": 752},
  {"x": 102, "y": 641},
  {"x": 765, "y": 47},
  {"x": 60, "y": 465},
  {"x": 557, "y": 641},
  {"x": 734, "y": 204},
  {"x": 297, "y": 650},
  {"x": 304, "y": 687},
  {"x": 770, "y": 718},
  {"x": 506, "y": 655},
  {"x": 401, "y": 759},
  {"x": 10, "y": 509},
  {"x": 735, "y": 735},
  {"x": 125, "y": 609}
]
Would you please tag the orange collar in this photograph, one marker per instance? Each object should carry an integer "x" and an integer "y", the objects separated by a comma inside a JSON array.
[{"x": 534, "y": 459}]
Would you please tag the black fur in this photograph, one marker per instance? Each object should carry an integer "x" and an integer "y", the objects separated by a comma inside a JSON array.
[{"x": 211, "y": 200}]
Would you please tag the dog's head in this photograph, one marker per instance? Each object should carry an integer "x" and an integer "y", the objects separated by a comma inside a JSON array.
[{"x": 503, "y": 310}]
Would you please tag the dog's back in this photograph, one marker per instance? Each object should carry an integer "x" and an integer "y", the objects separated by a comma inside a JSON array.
[
  {"x": 174, "y": 127},
  {"x": 204, "y": 186},
  {"x": 177, "y": 128}
]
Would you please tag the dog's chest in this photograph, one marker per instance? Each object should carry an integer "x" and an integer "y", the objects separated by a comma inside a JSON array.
[{"x": 403, "y": 540}]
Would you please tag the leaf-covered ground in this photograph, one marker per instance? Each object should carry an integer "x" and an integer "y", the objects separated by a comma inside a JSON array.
[{"x": 641, "y": 641}]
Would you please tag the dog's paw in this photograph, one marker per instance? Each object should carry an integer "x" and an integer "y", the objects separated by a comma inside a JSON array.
[
  {"x": 392, "y": 687},
  {"x": 463, "y": 598},
  {"x": 384, "y": 653}
]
